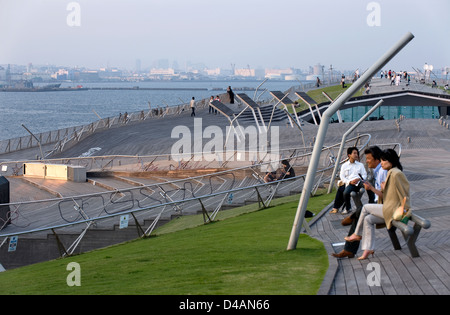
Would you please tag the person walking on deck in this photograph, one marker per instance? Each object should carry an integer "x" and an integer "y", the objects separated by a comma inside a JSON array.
[{"x": 193, "y": 106}]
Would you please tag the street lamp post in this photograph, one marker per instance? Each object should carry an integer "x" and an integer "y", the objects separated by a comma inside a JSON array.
[{"x": 427, "y": 69}]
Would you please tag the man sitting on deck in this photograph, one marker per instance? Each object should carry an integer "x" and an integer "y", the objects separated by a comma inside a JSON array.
[{"x": 349, "y": 180}]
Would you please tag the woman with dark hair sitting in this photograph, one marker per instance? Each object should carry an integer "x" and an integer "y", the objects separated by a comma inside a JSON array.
[
  {"x": 287, "y": 171},
  {"x": 390, "y": 197}
]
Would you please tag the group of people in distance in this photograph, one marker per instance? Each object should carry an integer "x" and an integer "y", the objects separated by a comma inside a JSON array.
[
  {"x": 211, "y": 109},
  {"x": 387, "y": 189},
  {"x": 287, "y": 171}
]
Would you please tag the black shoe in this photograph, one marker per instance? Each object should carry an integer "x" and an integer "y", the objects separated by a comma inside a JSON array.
[{"x": 343, "y": 254}]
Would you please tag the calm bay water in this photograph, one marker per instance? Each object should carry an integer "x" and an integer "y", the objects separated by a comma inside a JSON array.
[{"x": 45, "y": 111}]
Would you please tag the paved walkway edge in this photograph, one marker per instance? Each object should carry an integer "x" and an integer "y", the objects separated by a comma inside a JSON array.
[
  {"x": 333, "y": 267},
  {"x": 333, "y": 264}
]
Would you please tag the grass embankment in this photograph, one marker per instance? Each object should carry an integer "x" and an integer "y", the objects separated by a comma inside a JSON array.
[
  {"x": 333, "y": 91},
  {"x": 244, "y": 254}
]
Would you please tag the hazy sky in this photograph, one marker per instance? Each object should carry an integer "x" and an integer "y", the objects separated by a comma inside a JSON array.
[{"x": 258, "y": 33}]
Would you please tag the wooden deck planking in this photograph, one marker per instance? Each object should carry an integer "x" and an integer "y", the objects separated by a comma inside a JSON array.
[
  {"x": 428, "y": 274},
  {"x": 400, "y": 274},
  {"x": 25, "y": 191}
]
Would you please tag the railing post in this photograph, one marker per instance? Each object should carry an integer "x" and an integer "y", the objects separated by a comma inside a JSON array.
[
  {"x": 204, "y": 212},
  {"x": 260, "y": 199}
]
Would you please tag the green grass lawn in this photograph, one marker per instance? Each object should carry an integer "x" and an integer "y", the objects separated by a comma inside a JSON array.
[
  {"x": 333, "y": 91},
  {"x": 241, "y": 254}
]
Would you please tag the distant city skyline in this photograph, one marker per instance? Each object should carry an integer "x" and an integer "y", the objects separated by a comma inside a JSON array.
[
  {"x": 18, "y": 75},
  {"x": 244, "y": 34},
  {"x": 166, "y": 64}
]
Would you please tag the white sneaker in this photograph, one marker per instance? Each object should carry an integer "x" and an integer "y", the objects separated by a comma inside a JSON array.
[{"x": 344, "y": 211}]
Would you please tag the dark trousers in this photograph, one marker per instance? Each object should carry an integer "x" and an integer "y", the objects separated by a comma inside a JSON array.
[
  {"x": 193, "y": 111},
  {"x": 371, "y": 196},
  {"x": 343, "y": 196},
  {"x": 231, "y": 98},
  {"x": 353, "y": 246}
]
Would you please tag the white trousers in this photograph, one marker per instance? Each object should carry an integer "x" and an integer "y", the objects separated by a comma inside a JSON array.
[{"x": 371, "y": 215}]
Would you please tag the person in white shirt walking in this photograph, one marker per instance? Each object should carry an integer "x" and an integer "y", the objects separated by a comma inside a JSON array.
[
  {"x": 193, "y": 106},
  {"x": 349, "y": 180}
]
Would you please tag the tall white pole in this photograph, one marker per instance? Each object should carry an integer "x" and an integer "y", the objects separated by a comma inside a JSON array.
[{"x": 321, "y": 133}]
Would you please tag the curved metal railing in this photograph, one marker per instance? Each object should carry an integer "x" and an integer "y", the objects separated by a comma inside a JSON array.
[
  {"x": 205, "y": 193},
  {"x": 159, "y": 162}
]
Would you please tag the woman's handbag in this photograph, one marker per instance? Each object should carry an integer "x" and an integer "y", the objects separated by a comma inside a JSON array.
[{"x": 401, "y": 214}]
